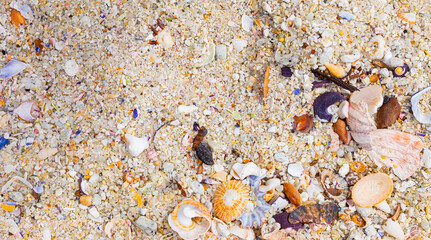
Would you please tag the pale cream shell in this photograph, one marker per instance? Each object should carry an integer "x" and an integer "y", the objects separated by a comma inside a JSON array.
[{"x": 372, "y": 189}]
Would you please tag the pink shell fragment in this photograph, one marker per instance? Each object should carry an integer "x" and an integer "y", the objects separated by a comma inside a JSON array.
[{"x": 152, "y": 154}]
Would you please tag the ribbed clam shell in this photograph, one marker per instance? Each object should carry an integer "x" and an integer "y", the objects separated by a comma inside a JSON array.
[
  {"x": 230, "y": 200},
  {"x": 183, "y": 219},
  {"x": 12, "y": 68},
  {"x": 398, "y": 150},
  {"x": 28, "y": 111}
]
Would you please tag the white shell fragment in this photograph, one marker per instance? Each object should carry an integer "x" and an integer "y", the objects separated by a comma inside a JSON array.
[
  {"x": 135, "y": 145},
  {"x": 239, "y": 44},
  {"x": 221, "y": 52},
  {"x": 241, "y": 171},
  {"x": 219, "y": 228},
  {"x": 394, "y": 229},
  {"x": 281, "y": 157},
  {"x": 12, "y": 68},
  {"x": 419, "y": 115},
  {"x": 343, "y": 110},
  {"x": 164, "y": 38},
  {"x": 187, "y": 109},
  {"x": 28, "y": 111},
  {"x": 118, "y": 227},
  {"x": 71, "y": 67},
  {"x": 377, "y": 45},
  {"x": 426, "y": 158},
  {"x": 210, "y": 57},
  {"x": 384, "y": 206},
  {"x": 352, "y": 57},
  {"x": 246, "y": 23},
  {"x": 270, "y": 185},
  {"x": 46, "y": 153},
  {"x": 295, "y": 169}
]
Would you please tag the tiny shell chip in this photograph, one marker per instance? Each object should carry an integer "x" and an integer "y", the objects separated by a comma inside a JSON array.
[
  {"x": 295, "y": 169},
  {"x": 17, "y": 18},
  {"x": 239, "y": 44},
  {"x": 164, "y": 38},
  {"x": 187, "y": 109},
  {"x": 335, "y": 70},
  {"x": 12, "y": 68},
  {"x": 230, "y": 200},
  {"x": 3, "y": 142},
  {"x": 71, "y": 67},
  {"x": 28, "y": 111},
  {"x": 315, "y": 213},
  {"x": 372, "y": 189},
  {"x": 346, "y": 15},
  {"x": 421, "y": 116},
  {"x": 246, "y": 23}
]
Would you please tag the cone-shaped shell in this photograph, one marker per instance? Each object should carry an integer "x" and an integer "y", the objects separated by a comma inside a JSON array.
[
  {"x": 372, "y": 189},
  {"x": 183, "y": 219},
  {"x": 335, "y": 70},
  {"x": 28, "y": 111},
  {"x": 230, "y": 200}
]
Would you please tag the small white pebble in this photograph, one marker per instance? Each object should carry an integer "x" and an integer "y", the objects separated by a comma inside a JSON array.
[
  {"x": 187, "y": 109},
  {"x": 71, "y": 67}
]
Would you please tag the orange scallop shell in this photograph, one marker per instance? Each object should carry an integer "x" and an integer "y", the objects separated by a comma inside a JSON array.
[
  {"x": 230, "y": 200},
  {"x": 358, "y": 166}
]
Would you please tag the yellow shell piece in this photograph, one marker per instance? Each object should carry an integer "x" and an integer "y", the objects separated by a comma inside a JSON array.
[
  {"x": 408, "y": 17},
  {"x": 335, "y": 70},
  {"x": 7, "y": 207},
  {"x": 230, "y": 200}
]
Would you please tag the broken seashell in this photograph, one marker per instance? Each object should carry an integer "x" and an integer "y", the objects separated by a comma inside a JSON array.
[
  {"x": 135, "y": 145},
  {"x": 292, "y": 194},
  {"x": 323, "y": 105},
  {"x": 256, "y": 207},
  {"x": 377, "y": 45},
  {"x": 394, "y": 229},
  {"x": 303, "y": 123},
  {"x": 118, "y": 227},
  {"x": 295, "y": 169},
  {"x": 164, "y": 38},
  {"x": 241, "y": 171},
  {"x": 343, "y": 110},
  {"x": 220, "y": 176},
  {"x": 239, "y": 44},
  {"x": 46, "y": 153},
  {"x": 396, "y": 149},
  {"x": 384, "y": 206},
  {"x": 28, "y": 111},
  {"x": 352, "y": 178},
  {"x": 401, "y": 71},
  {"x": 371, "y": 95},
  {"x": 71, "y": 67},
  {"x": 283, "y": 220},
  {"x": 359, "y": 220},
  {"x": 335, "y": 70},
  {"x": 270, "y": 185},
  {"x": 315, "y": 213},
  {"x": 86, "y": 200},
  {"x": 187, "y": 109},
  {"x": 358, "y": 166},
  {"x": 372, "y": 189},
  {"x": 340, "y": 128},
  {"x": 183, "y": 219},
  {"x": 273, "y": 231},
  {"x": 246, "y": 23},
  {"x": 12, "y": 68},
  {"x": 388, "y": 113},
  {"x": 421, "y": 116},
  {"x": 230, "y": 200},
  {"x": 211, "y": 55},
  {"x": 408, "y": 17},
  {"x": 334, "y": 185},
  {"x": 210, "y": 236},
  {"x": 360, "y": 124},
  {"x": 243, "y": 233}
]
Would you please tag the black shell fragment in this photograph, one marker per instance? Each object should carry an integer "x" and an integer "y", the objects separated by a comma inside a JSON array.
[
  {"x": 204, "y": 153},
  {"x": 316, "y": 213}
]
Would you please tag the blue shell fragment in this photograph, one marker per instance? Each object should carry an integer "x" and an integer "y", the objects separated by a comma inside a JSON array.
[
  {"x": 135, "y": 113},
  {"x": 3, "y": 142},
  {"x": 12, "y": 68},
  {"x": 346, "y": 15}
]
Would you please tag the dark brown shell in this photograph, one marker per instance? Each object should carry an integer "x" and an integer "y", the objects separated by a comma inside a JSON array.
[
  {"x": 379, "y": 63},
  {"x": 388, "y": 113},
  {"x": 315, "y": 213}
]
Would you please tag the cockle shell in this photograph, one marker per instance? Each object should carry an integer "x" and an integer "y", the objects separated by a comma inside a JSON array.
[
  {"x": 372, "y": 189},
  {"x": 371, "y": 95},
  {"x": 396, "y": 149},
  {"x": 230, "y": 200},
  {"x": 379, "y": 49},
  {"x": 28, "y": 111},
  {"x": 12, "y": 68},
  {"x": 273, "y": 231},
  {"x": 335, "y": 186},
  {"x": 241, "y": 171},
  {"x": 183, "y": 219},
  {"x": 394, "y": 229},
  {"x": 422, "y": 117},
  {"x": 243, "y": 233},
  {"x": 135, "y": 145}
]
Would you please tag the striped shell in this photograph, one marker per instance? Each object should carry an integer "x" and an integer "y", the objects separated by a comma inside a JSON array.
[
  {"x": 183, "y": 219},
  {"x": 230, "y": 200},
  {"x": 408, "y": 17}
]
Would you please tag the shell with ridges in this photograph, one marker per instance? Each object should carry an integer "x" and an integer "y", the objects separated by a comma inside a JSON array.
[
  {"x": 371, "y": 95},
  {"x": 273, "y": 231},
  {"x": 230, "y": 200},
  {"x": 183, "y": 219},
  {"x": 372, "y": 189},
  {"x": 408, "y": 17}
]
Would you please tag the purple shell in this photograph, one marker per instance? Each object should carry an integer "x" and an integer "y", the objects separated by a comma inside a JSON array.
[
  {"x": 13, "y": 67},
  {"x": 283, "y": 219},
  {"x": 318, "y": 84},
  {"x": 257, "y": 215},
  {"x": 323, "y": 102},
  {"x": 405, "y": 68},
  {"x": 286, "y": 72}
]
